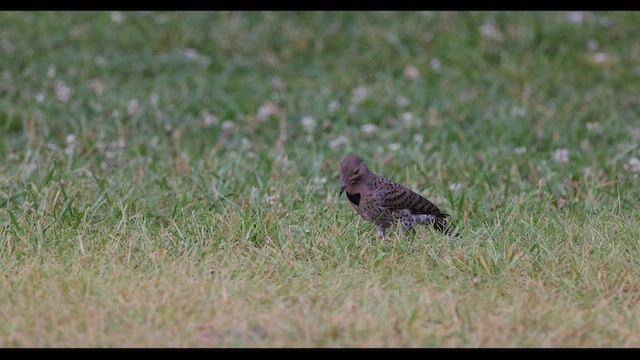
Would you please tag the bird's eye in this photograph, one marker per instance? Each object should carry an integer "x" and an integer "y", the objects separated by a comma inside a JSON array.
[{"x": 356, "y": 172}]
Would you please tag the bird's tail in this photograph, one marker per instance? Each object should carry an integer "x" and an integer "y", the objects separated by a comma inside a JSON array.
[{"x": 444, "y": 227}]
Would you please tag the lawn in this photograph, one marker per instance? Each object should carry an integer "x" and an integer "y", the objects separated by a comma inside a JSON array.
[{"x": 171, "y": 179}]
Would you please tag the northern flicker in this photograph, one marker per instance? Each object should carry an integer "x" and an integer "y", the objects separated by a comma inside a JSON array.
[{"x": 385, "y": 202}]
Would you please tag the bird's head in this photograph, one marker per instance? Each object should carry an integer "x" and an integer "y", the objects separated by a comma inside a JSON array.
[{"x": 353, "y": 169}]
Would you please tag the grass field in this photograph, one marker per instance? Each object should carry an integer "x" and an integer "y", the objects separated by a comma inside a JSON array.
[{"x": 171, "y": 179}]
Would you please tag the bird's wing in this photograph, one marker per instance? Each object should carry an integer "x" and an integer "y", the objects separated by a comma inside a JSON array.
[{"x": 394, "y": 196}]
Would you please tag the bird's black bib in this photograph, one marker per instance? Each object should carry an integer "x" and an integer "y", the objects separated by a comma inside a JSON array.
[{"x": 354, "y": 198}]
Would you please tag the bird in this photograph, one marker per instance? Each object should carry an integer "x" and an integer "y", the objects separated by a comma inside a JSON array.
[{"x": 385, "y": 202}]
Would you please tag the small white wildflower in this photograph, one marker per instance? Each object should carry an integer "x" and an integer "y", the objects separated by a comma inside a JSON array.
[
  {"x": 7, "y": 45},
  {"x": 593, "y": 126},
  {"x": 340, "y": 140},
  {"x": 600, "y": 57},
  {"x": 634, "y": 165},
  {"x": 411, "y": 72},
  {"x": 520, "y": 150},
  {"x": 154, "y": 141},
  {"x": 99, "y": 60},
  {"x": 561, "y": 155},
  {"x": 190, "y": 53},
  {"x": 575, "y": 17},
  {"x": 587, "y": 171},
  {"x": 271, "y": 199},
  {"x": 359, "y": 94},
  {"x": 39, "y": 97},
  {"x": 208, "y": 119},
  {"x": 266, "y": 110},
  {"x": 153, "y": 99},
  {"x": 278, "y": 83},
  {"x": 115, "y": 114},
  {"x": 308, "y": 123},
  {"x": 117, "y": 17},
  {"x": 418, "y": 138},
  {"x": 71, "y": 143},
  {"x": 592, "y": 45},
  {"x": 70, "y": 139},
  {"x": 489, "y": 30},
  {"x": 228, "y": 125},
  {"x": 162, "y": 19},
  {"x": 408, "y": 117},
  {"x": 394, "y": 147},
  {"x": 604, "y": 21},
  {"x": 402, "y": 101},
  {"x": 63, "y": 92},
  {"x": 97, "y": 86},
  {"x": 51, "y": 72},
  {"x": 455, "y": 186},
  {"x": 369, "y": 129},
  {"x": 333, "y": 106},
  {"x": 435, "y": 64},
  {"x": 520, "y": 112},
  {"x": 133, "y": 106}
]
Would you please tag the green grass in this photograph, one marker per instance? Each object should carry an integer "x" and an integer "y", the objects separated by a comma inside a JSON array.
[{"x": 158, "y": 186}]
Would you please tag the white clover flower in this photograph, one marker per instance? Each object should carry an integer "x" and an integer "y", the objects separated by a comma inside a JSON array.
[
  {"x": 520, "y": 150},
  {"x": 359, "y": 94},
  {"x": 520, "y": 112},
  {"x": 63, "y": 92},
  {"x": 40, "y": 97},
  {"x": 97, "y": 86},
  {"x": 402, "y": 101},
  {"x": 333, "y": 106},
  {"x": 162, "y": 19},
  {"x": 575, "y": 17},
  {"x": 308, "y": 123},
  {"x": 190, "y": 53},
  {"x": 340, "y": 140},
  {"x": 408, "y": 117},
  {"x": 418, "y": 138},
  {"x": 435, "y": 64},
  {"x": 369, "y": 129},
  {"x": 133, "y": 106},
  {"x": 561, "y": 155},
  {"x": 266, "y": 110},
  {"x": 100, "y": 60},
  {"x": 455, "y": 186},
  {"x": 71, "y": 143},
  {"x": 208, "y": 119},
  {"x": 117, "y": 17},
  {"x": 153, "y": 99},
  {"x": 489, "y": 30},
  {"x": 633, "y": 165},
  {"x": 593, "y": 126},
  {"x": 411, "y": 72},
  {"x": 228, "y": 125},
  {"x": 600, "y": 57}
]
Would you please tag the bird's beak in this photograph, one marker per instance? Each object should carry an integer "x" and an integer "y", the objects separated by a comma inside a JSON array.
[{"x": 344, "y": 185}]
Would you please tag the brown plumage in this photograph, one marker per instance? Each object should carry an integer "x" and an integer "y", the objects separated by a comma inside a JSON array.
[{"x": 384, "y": 202}]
